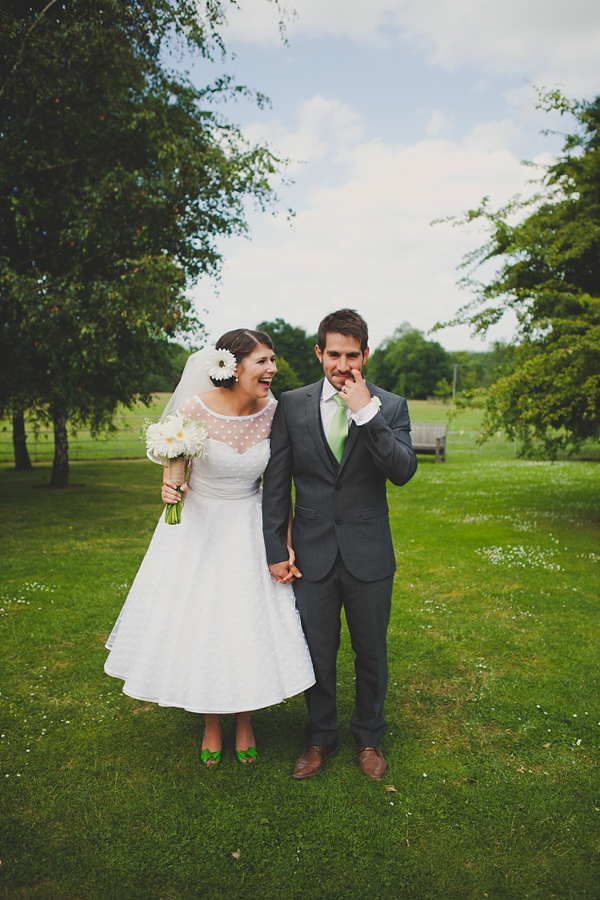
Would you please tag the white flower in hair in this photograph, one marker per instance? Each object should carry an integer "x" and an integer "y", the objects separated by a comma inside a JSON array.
[{"x": 220, "y": 364}]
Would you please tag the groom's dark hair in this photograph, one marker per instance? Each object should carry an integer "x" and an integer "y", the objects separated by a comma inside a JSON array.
[{"x": 347, "y": 322}]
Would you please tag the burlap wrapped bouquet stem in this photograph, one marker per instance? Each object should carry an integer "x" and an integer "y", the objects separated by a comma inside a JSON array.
[{"x": 177, "y": 470}]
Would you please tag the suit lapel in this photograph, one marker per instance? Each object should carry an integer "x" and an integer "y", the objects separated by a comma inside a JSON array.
[{"x": 313, "y": 417}]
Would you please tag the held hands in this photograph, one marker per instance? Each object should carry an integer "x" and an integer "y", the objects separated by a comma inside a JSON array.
[
  {"x": 355, "y": 393},
  {"x": 169, "y": 492},
  {"x": 285, "y": 572}
]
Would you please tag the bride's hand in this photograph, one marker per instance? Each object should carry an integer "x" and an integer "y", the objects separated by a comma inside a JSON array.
[
  {"x": 291, "y": 560},
  {"x": 169, "y": 491}
]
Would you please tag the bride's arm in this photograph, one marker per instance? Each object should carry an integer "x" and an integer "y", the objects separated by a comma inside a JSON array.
[{"x": 292, "y": 556}]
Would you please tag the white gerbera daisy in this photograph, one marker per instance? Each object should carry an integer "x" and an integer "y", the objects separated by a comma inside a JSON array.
[
  {"x": 176, "y": 436},
  {"x": 173, "y": 427},
  {"x": 220, "y": 364},
  {"x": 194, "y": 438},
  {"x": 158, "y": 443}
]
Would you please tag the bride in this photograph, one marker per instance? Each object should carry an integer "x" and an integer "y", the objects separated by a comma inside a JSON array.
[{"x": 204, "y": 626}]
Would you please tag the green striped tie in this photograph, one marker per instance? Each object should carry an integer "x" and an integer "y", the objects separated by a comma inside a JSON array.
[{"x": 338, "y": 431}]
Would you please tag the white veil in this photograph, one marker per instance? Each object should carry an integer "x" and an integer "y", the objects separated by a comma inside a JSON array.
[{"x": 194, "y": 380}]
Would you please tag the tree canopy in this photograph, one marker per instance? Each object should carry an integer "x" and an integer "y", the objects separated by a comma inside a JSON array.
[
  {"x": 297, "y": 348},
  {"x": 116, "y": 178},
  {"x": 408, "y": 364},
  {"x": 549, "y": 276}
]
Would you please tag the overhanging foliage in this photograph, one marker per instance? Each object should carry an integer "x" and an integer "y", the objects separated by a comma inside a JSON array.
[
  {"x": 117, "y": 176},
  {"x": 550, "y": 278}
]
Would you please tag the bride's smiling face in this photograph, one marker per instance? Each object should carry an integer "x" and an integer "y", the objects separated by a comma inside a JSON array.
[{"x": 256, "y": 371}]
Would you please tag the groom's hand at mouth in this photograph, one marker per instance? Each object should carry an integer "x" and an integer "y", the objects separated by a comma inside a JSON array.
[{"x": 355, "y": 392}]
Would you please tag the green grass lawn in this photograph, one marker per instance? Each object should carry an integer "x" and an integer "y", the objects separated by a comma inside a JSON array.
[{"x": 493, "y": 709}]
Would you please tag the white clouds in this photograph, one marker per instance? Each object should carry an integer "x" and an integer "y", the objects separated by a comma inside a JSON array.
[
  {"x": 321, "y": 125},
  {"x": 437, "y": 122},
  {"x": 488, "y": 136},
  {"x": 257, "y": 20},
  {"x": 362, "y": 233},
  {"x": 548, "y": 41},
  {"x": 366, "y": 240}
]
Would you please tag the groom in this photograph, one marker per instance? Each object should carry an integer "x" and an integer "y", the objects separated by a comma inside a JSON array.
[{"x": 339, "y": 440}]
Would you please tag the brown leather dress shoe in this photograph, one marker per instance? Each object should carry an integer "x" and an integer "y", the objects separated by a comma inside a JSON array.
[
  {"x": 371, "y": 762},
  {"x": 312, "y": 760}
]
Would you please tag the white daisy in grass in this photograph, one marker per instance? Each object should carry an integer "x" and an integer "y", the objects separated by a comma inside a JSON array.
[{"x": 220, "y": 364}]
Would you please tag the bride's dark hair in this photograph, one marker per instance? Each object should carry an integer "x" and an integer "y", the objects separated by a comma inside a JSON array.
[{"x": 241, "y": 342}]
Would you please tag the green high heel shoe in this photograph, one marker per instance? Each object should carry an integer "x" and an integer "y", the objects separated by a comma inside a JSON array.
[
  {"x": 247, "y": 756},
  {"x": 211, "y": 760}
]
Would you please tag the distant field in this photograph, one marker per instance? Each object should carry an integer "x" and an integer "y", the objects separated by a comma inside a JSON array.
[
  {"x": 126, "y": 443},
  {"x": 123, "y": 443}
]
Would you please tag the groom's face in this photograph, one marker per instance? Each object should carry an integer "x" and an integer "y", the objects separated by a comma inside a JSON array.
[{"x": 340, "y": 356}]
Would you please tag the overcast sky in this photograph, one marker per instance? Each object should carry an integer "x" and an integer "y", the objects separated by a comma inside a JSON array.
[{"x": 394, "y": 113}]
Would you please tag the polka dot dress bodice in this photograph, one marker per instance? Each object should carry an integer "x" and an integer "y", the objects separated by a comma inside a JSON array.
[
  {"x": 239, "y": 432},
  {"x": 237, "y": 450},
  {"x": 204, "y": 627}
]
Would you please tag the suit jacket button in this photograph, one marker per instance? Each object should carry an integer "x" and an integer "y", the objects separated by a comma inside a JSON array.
[
  {"x": 338, "y": 487},
  {"x": 338, "y": 521}
]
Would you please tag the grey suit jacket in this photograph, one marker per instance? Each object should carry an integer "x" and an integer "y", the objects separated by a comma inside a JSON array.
[{"x": 339, "y": 506}]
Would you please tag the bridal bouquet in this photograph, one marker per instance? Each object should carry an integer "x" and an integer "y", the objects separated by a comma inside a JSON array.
[{"x": 173, "y": 441}]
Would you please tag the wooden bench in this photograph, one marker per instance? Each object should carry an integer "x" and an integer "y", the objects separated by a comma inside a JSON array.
[{"x": 430, "y": 439}]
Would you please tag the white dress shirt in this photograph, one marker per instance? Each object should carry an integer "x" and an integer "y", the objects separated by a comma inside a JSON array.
[{"x": 328, "y": 407}]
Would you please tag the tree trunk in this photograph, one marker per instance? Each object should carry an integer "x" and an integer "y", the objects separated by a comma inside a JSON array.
[
  {"x": 60, "y": 465},
  {"x": 22, "y": 461}
]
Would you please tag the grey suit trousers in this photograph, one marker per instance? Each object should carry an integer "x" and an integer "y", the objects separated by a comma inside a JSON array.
[{"x": 367, "y": 609}]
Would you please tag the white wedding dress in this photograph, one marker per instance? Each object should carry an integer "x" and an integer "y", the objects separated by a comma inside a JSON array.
[{"x": 204, "y": 626}]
